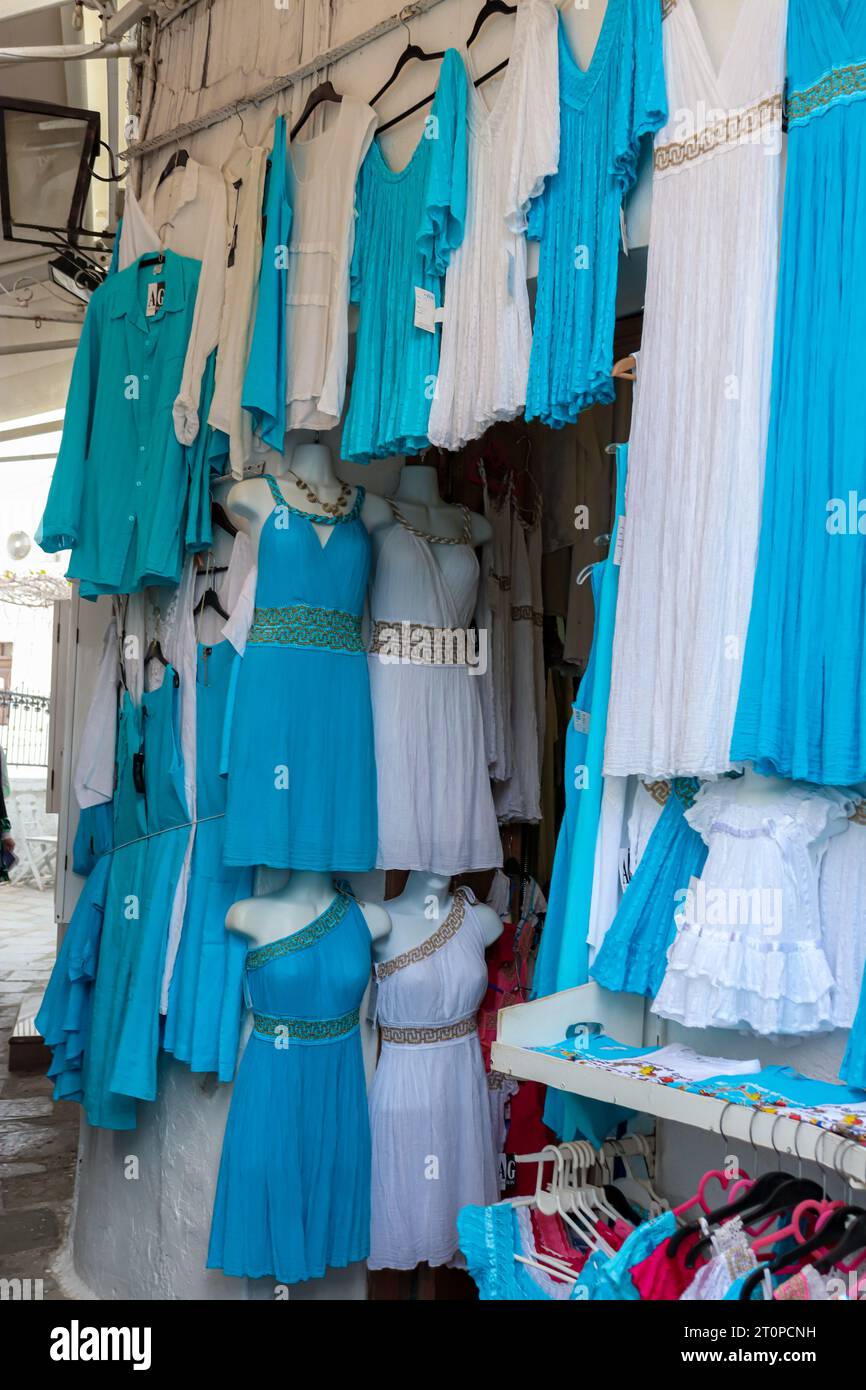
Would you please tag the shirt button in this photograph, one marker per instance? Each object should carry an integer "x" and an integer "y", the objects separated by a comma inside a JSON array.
[
  {"x": 138, "y": 483},
  {"x": 130, "y": 518},
  {"x": 141, "y": 448}
]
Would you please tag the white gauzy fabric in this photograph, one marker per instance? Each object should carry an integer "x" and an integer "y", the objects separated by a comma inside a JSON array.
[
  {"x": 513, "y": 147},
  {"x": 748, "y": 951},
  {"x": 733, "y": 1258},
  {"x": 187, "y": 214},
  {"x": 609, "y": 843},
  {"x": 647, "y": 805},
  {"x": 843, "y": 911},
  {"x": 244, "y": 173},
  {"x": 93, "y": 778},
  {"x": 429, "y": 1101},
  {"x": 435, "y": 804},
  {"x": 699, "y": 428},
  {"x": 321, "y": 178},
  {"x": 519, "y": 799}
]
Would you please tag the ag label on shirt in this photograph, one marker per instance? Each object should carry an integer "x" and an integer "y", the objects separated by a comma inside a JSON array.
[
  {"x": 425, "y": 310},
  {"x": 155, "y": 296}
]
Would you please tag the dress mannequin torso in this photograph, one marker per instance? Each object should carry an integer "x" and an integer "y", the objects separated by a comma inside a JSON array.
[
  {"x": 422, "y": 906},
  {"x": 755, "y": 790},
  {"x": 291, "y": 908},
  {"x": 250, "y": 502},
  {"x": 419, "y": 502}
]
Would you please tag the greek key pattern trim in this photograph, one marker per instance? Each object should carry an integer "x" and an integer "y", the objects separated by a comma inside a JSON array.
[
  {"x": 729, "y": 130},
  {"x": 525, "y": 613},
  {"x": 300, "y": 940},
  {"x": 306, "y": 1029},
  {"x": 303, "y": 626},
  {"x": 502, "y": 581},
  {"x": 686, "y": 788},
  {"x": 430, "y": 1033},
  {"x": 659, "y": 791},
  {"x": 427, "y": 948},
  {"x": 837, "y": 85},
  {"x": 858, "y": 815}
]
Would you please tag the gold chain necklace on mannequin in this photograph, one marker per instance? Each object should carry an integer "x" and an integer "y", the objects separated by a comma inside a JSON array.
[{"x": 332, "y": 508}]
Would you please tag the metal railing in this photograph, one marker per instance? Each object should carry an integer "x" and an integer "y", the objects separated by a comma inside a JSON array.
[{"x": 24, "y": 722}]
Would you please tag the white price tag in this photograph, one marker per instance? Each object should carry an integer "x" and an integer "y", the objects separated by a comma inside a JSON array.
[
  {"x": 425, "y": 310},
  {"x": 581, "y": 721},
  {"x": 155, "y": 296},
  {"x": 619, "y": 541}
]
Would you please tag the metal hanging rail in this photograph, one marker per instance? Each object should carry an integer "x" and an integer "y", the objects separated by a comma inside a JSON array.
[{"x": 138, "y": 149}]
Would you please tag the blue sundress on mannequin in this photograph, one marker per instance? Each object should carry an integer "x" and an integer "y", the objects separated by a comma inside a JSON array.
[
  {"x": 202, "y": 1025},
  {"x": 802, "y": 705},
  {"x": 633, "y": 955},
  {"x": 301, "y": 768},
  {"x": 293, "y": 1193},
  {"x": 605, "y": 111}
]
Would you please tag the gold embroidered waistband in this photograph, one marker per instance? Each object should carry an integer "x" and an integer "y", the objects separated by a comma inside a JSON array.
[
  {"x": 525, "y": 613},
  {"x": 430, "y": 1033},
  {"x": 280, "y": 1028},
  {"x": 300, "y": 625},
  {"x": 419, "y": 644},
  {"x": 733, "y": 129},
  {"x": 840, "y": 84}
]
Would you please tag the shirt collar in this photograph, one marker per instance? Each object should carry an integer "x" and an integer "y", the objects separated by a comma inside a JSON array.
[
  {"x": 184, "y": 190},
  {"x": 178, "y": 274}
]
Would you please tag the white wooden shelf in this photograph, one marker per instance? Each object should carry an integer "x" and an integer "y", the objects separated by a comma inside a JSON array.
[{"x": 544, "y": 1022}]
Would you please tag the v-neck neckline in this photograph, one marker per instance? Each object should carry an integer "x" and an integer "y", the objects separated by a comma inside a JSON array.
[
  {"x": 717, "y": 73},
  {"x": 577, "y": 82}
]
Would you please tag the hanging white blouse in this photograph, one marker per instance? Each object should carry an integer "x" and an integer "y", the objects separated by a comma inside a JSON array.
[
  {"x": 513, "y": 148},
  {"x": 188, "y": 214},
  {"x": 321, "y": 176}
]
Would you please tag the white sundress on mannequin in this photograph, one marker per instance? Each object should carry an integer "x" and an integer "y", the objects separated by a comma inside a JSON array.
[
  {"x": 748, "y": 949},
  {"x": 435, "y": 804},
  {"x": 699, "y": 429},
  {"x": 433, "y": 1143}
]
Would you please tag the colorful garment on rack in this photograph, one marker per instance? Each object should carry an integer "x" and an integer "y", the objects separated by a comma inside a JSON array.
[
  {"x": 633, "y": 954},
  {"x": 604, "y": 112},
  {"x": 293, "y": 1193},
  {"x": 126, "y": 497},
  {"x": 490, "y": 1237},
  {"x": 802, "y": 705},
  {"x": 408, "y": 223},
  {"x": 302, "y": 786},
  {"x": 264, "y": 388}
]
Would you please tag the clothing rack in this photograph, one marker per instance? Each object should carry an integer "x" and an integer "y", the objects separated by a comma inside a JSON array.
[
  {"x": 545, "y": 1022},
  {"x": 138, "y": 149}
]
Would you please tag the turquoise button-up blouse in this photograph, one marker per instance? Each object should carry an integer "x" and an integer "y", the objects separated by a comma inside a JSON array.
[{"x": 127, "y": 498}]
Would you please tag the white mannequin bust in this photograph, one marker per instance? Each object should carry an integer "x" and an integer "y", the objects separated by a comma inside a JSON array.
[
  {"x": 755, "y": 790},
  {"x": 304, "y": 897},
  {"x": 420, "y": 909},
  {"x": 251, "y": 502},
  {"x": 421, "y": 503}
]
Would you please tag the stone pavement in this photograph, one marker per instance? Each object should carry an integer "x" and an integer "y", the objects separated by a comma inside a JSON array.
[{"x": 38, "y": 1140}]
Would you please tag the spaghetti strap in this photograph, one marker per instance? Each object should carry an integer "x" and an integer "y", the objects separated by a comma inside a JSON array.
[
  {"x": 276, "y": 491},
  {"x": 351, "y": 515},
  {"x": 465, "y": 537}
]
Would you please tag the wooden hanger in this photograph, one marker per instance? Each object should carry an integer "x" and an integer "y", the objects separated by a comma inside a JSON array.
[{"x": 324, "y": 92}]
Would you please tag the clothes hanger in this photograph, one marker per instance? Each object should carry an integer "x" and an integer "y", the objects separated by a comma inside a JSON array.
[
  {"x": 178, "y": 160},
  {"x": 318, "y": 96},
  {"x": 486, "y": 12},
  {"x": 787, "y": 1195},
  {"x": 625, "y": 369},
  {"x": 412, "y": 50}
]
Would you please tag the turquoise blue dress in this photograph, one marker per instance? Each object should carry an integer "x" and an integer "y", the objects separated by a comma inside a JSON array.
[
  {"x": 300, "y": 753},
  {"x": 264, "y": 388},
  {"x": 202, "y": 1025},
  {"x": 604, "y": 113},
  {"x": 564, "y": 955},
  {"x": 151, "y": 831},
  {"x": 489, "y": 1238},
  {"x": 853, "y": 1068},
  {"x": 633, "y": 955},
  {"x": 802, "y": 705},
  {"x": 293, "y": 1193},
  {"x": 408, "y": 223}
]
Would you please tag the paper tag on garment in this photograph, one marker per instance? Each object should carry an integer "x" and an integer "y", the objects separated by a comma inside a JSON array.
[
  {"x": 623, "y": 229},
  {"x": 373, "y": 1002},
  {"x": 624, "y": 868},
  {"x": 510, "y": 280},
  {"x": 425, "y": 310},
  {"x": 620, "y": 541},
  {"x": 581, "y": 721},
  {"x": 155, "y": 296}
]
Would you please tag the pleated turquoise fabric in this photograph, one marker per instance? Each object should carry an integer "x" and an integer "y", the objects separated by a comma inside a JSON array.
[
  {"x": 802, "y": 705},
  {"x": 605, "y": 111},
  {"x": 293, "y": 1194},
  {"x": 408, "y": 224}
]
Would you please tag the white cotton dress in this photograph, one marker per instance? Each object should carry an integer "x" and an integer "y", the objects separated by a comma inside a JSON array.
[
  {"x": 435, "y": 804},
  {"x": 434, "y": 1149},
  {"x": 843, "y": 911},
  {"x": 321, "y": 175},
  {"x": 513, "y": 147},
  {"x": 699, "y": 428},
  {"x": 748, "y": 952}
]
